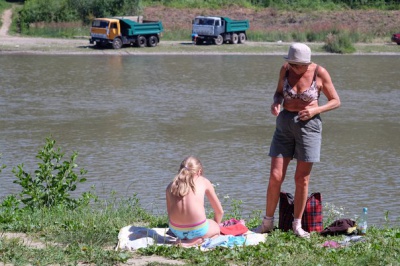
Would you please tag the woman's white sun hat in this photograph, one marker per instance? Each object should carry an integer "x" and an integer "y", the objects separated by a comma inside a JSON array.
[{"x": 299, "y": 53}]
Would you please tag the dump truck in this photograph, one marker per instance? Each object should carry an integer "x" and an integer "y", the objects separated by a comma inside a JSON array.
[
  {"x": 219, "y": 30},
  {"x": 120, "y": 31}
]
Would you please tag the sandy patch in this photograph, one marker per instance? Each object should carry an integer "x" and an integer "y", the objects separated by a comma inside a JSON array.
[{"x": 136, "y": 260}]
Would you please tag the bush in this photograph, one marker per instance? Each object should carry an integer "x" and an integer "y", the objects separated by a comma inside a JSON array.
[
  {"x": 339, "y": 43},
  {"x": 9, "y": 210},
  {"x": 53, "y": 181}
]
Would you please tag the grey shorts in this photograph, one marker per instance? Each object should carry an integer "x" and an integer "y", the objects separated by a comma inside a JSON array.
[{"x": 297, "y": 139}]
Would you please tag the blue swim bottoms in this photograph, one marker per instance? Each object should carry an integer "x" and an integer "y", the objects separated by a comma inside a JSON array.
[
  {"x": 189, "y": 231},
  {"x": 295, "y": 138}
]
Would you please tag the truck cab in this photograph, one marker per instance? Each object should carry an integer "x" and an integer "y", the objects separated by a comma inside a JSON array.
[
  {"x": 103, "y": 30},
  {"x": 212, "y": 26},
  {"x": 218, "y": 30}
]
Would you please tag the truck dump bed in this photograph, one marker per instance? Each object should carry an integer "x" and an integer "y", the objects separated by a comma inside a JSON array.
[
  {"x": 236, "y": 25},
  {"x": 130, "y": 28}
]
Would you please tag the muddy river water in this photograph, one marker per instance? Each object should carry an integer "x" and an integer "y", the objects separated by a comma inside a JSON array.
[{"x": 132, "y": 120}]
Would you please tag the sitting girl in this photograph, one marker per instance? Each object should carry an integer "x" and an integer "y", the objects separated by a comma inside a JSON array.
[{"x": 185, "y": 204}]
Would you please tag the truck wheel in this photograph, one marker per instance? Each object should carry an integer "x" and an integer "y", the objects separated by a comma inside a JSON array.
[
  {"x": 219, "y": 40},
  {"x": 242, "y": 38},
  {"x": 117, "y": 43},
  {"x": 235, "y": 39},
  {"x": 141, "y": 41},
  {"x": 152, "y": 41}
]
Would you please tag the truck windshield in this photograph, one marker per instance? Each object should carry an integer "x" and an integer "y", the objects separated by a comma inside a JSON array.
[
  {"x": 204, "y": 21},
  {"x": 100, "y": 24}
]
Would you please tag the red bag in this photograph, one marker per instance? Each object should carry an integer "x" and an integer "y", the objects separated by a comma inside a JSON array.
[
  {"x": 312, "y": 216},
  {"x": 233, "y": 227}
]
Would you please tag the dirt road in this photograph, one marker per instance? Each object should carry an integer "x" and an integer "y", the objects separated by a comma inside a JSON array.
[{"x": 6, "y": 19}]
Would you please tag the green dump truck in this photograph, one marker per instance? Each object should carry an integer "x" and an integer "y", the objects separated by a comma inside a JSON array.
[
  {"x": 219, "y": 30},
  {"x": 119, "y": 31}
]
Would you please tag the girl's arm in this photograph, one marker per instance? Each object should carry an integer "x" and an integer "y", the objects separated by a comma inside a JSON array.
[
  {"x": 214, "y": 201},
  {"x": 168, "y": 200}
]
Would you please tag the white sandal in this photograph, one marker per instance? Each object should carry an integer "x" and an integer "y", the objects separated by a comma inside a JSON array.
[{"x": 301, "y": 233}]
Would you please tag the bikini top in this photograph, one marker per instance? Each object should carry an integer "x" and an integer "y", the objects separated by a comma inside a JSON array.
[{"x": 309, "y": 95}]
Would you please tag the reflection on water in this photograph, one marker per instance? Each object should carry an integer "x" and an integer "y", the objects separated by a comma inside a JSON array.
[{"x": 134, "y": 118}]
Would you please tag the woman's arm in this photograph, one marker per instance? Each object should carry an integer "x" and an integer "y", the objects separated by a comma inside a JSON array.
[
  {"x": 329, "y": 91},
  {"x": 325, "y": 83},
  {"x": 278, "y": 96}
]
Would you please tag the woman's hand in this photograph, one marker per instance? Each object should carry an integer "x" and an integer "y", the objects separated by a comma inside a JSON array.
[
  {"x": 307, "y": 114},
  {"x": 275, "y": 109}
]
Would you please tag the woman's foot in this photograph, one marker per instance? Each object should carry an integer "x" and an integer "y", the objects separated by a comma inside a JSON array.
[
  {"x": 298, "y": 231},
  {"x": 301, "y": 233},
  {"x": 266, "y": 226}
]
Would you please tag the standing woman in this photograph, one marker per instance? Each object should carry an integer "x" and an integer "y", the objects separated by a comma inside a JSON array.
[{"x": 298, "y": 129}]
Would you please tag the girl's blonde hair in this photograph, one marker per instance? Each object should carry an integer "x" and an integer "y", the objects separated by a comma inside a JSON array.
[{"x": 184, "y": 180}]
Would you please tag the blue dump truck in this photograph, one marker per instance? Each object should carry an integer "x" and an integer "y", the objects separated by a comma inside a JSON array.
[
  {"x": 119, "y": 31},
  {"x": 219, "y": 30}
]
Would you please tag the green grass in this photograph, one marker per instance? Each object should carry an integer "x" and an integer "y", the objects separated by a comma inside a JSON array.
[
  {"x": 86, "y": 234},
  {"x": 381, "y": 247},
  {"x": 89, "y": 233}
]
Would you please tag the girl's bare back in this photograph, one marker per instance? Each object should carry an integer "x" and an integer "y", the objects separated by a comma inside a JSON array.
[{"x": 189, "y": 209}]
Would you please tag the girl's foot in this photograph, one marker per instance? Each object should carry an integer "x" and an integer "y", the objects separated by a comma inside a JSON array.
[{"x": 189, "y": 242}]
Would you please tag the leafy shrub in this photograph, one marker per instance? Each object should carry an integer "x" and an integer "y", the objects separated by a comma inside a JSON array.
[
  {"x": 339, "y": 43},
  {"x": 9, "y": 210},
  {"x": 53, "y": 180}
]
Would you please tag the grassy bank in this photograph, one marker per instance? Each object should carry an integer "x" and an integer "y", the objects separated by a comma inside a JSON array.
[
  {"x": 88, "y": 235},
  {"x": 52, "y": 228}
]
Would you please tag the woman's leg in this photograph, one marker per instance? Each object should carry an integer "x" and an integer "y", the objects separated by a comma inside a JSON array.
[
  {"x": 277, "y": 176},
  {"x": 301, "y": 178}
]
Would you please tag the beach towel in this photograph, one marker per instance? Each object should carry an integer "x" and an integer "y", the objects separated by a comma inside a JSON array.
[{"x": 133, "y": 237}]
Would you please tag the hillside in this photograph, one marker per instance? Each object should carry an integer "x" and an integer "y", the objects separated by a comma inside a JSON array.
[{"x": 381, "y": 23}]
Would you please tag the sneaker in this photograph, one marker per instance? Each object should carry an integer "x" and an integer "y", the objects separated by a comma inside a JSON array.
[
  {"x": 266, "y": 226},
  {"x": 301, "y": 233}
]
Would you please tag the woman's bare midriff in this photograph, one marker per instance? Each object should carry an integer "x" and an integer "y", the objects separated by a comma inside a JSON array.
[{"x": 296, "y": 105}]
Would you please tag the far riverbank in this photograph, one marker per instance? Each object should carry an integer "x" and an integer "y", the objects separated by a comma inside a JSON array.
[{"x": 81, "y": 46}]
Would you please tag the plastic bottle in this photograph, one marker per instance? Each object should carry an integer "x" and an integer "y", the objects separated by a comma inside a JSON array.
[{"x": 362, "y": 222}]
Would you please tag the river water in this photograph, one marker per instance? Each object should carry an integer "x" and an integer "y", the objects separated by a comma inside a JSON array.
[{"x": 132, "y": 120}]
